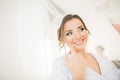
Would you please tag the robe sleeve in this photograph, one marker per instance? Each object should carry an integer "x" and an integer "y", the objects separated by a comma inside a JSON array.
[{"x": 59, "y": 71}]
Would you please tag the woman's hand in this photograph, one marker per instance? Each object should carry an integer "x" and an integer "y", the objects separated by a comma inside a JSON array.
[{"x": 76, "y": 63}]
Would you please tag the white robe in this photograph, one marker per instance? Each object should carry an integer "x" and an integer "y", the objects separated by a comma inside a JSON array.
[{"x": 61, "y": 72}]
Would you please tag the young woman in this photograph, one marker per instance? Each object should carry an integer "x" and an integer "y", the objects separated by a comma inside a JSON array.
[{"x": 77, "y": 64}]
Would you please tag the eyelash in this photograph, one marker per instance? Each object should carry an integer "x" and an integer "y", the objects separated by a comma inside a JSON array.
[
  {"x": 82, "y": 29},
  {"x": 68, "y": 34}
]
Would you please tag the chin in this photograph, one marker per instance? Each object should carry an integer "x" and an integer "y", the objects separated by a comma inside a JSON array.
[{"x": 79, "y": 47}]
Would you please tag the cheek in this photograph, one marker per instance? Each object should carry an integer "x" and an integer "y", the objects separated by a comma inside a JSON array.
[
  {"x": 68, "y": 41},
  {"x": 86, "y": 38}
]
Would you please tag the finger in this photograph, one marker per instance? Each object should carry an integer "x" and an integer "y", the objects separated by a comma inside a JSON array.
[{"x": 72, "y": 50}]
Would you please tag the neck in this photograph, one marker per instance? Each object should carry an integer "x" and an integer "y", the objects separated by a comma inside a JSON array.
[{"x": 81, "y": 52}]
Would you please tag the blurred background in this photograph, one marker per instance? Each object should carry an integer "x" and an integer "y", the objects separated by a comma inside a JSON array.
[{"x": 28, "y": 33}]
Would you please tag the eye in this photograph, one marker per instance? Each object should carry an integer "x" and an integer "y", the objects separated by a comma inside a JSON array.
[
  {"x": 81, "y": 29},
  {"x": 68, "y": 33}
]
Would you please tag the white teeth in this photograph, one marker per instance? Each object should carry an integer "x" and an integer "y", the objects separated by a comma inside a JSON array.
[{"x": 79, "y": 42}]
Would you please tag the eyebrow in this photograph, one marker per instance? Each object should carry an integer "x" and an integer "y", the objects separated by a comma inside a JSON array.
[
  {"x": 80, "y": 26},
  {"x": 67, "y": 31}
]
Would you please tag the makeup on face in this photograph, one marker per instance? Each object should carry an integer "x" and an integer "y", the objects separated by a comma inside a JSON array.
[{"x": 75, "y": 33}]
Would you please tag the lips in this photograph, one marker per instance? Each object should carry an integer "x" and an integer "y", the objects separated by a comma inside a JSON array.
[{"x": 78, "y": 42}]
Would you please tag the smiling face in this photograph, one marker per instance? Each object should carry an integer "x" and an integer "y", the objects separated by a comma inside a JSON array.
[{"x": 75, "y": 34}]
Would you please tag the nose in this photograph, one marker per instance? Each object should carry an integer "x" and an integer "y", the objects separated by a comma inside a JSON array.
[{"x": 77, "y": 35}]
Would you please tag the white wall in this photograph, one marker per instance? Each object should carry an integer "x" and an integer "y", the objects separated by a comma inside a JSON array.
[
  {"x": 10, "y": 63},
  {"x": 22, "y": 49}
]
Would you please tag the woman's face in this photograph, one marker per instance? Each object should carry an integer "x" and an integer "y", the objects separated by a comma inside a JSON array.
[{"x": 75, "y": 35}]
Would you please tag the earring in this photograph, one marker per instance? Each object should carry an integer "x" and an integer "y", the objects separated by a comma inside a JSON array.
[{"x": 87, "y": 31}]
